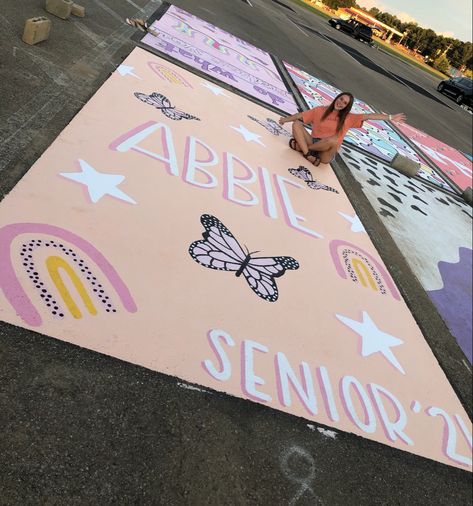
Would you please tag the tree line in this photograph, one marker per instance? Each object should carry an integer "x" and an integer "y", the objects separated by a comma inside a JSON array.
[{"x": 441, "y": 51}]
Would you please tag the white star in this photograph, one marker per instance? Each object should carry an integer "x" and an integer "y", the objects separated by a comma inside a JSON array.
[
  {"x": 373, "y": 340},
  {"x": 214, "y": 89},
  {"x": 247, "y": 134},
  {"x": 125, "y": 70},
  {"x": 98, "y": 184},
  {"x": 356, "y": 225}
]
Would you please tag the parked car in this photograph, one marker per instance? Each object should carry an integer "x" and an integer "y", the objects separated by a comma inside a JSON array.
[
  {"x": 459, "y": 88},
  {"x": 354, "y": 28}
]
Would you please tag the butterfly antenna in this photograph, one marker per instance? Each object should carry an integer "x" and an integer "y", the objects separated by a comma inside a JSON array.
[{"x": 253, "y": 252}]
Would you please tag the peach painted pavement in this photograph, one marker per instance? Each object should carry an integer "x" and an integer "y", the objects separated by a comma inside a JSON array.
[{"x": 98, "y": 248}]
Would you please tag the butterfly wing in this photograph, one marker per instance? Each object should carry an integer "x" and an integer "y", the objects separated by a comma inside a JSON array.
[
  {"x": 177, "y": 115},
  {"x": 219, "y": 249},
  {"x": 261, "y": 271},
  {"x": 270, "y": 127},
  {"x": 155, "y": 99},
  {"x": 275, "y": 128},
  {"x": 302, "y": 173},
  {"x": 162, "y": 103},
  {"x": 315, "y": 185}
]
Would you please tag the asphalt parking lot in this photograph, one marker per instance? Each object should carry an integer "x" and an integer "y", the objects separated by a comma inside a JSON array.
[{"x": 83, "y": 428}]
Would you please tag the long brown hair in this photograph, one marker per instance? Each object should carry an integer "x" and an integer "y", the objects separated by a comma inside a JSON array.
[{"x": 341, "y": 114}]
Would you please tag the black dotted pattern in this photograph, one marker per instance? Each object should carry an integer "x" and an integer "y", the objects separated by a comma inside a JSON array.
[
  {"x": 355, "y": 163},
  {"x": 26, "y": 254}
]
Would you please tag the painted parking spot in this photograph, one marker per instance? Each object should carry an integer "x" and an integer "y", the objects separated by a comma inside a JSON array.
[
  {"x": 457, "y": 167},
  {"x": 164, "y": 227},
  {"x": 376, "y": 137},
  {"x": 440, "y": 261},
  {"x": 220, "y": 55}
]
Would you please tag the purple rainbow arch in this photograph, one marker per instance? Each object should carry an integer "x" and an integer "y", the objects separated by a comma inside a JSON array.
[
  {"x": 334, "y": 245},
  {"x": 12, "y": 288}
]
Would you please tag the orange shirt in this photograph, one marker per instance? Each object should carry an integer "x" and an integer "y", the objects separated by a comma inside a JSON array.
[{"x": 328, "y": 127}]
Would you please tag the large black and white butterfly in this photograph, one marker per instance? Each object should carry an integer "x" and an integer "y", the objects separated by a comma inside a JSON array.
[
  {"x": 306, "y": 175},
  {"x": 271, "y": 126},
  {"x": 163, "y": 104},
  {"x": 221, "y": 251}
]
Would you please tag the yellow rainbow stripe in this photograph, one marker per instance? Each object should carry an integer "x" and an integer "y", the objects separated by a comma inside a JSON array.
[
  {"x": 54, "y": 263},
  {"x": 364, "y": 274},
  {"x": 170, "y": 76}
]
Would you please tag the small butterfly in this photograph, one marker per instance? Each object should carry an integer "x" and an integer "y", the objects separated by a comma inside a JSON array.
[
  {"x": 164, "y": 105},
  {"x": 271, "y": 126},
  {"x": 305, "y": 174},
  {"x": 221, "y": 251}
]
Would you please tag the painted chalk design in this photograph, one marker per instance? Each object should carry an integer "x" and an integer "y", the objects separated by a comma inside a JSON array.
[
  {"x": 355, "y": 222},
  {"x": 450, "y": 161},
  {"x": 221, "y": 251},
  {"x": 219, "y": 54},
  {"x": 222, "y": 46},
  {"x": 64, "y": 249},
  {"x": 453, "y": 299},
  {"x": 353, "y": 262},
  {"x": 394, "y": 191},
  {"x": 273, "y": 127},
  {"x": 98, "y": 183},
  {"x": 127, "y": 70},
  {"x": 375, "y": 136},
  {"x": 163, "y": 104},
  {"x": 78, "y": 272},
  {"x": 373, "y": 339},
  {"x": 411, "y": 211},
  {"x": 305, "y": 174},
  {"x": 168, "y": 74}
]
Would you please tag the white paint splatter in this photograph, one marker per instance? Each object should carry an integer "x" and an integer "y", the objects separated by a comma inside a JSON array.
[
  {"x": 465, "y": 363},
  {"x": 191, "y": 387},
  {"x": 328, "y": 433}
]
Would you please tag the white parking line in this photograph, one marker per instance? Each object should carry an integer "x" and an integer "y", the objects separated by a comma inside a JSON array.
[
  {"x": 466, "y": 365},
  {"x": 134, "y": 5},
  {"x": 297, "y": 26},
  {"x": 207, "y": 10}
]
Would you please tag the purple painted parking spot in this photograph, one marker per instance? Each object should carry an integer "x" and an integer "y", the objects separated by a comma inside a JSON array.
[{"x": 220, "y": 55}]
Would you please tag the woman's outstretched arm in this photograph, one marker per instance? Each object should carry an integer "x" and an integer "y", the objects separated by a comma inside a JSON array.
[
  {"x": 399, "y": 117},
  {"x": 287, "y": 119}
]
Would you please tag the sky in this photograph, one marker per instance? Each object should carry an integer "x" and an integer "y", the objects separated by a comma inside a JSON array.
[{"x": 451, "y": 18}]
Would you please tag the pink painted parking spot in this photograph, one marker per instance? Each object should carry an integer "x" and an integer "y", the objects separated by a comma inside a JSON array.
[{"x": 456, "y": 166}]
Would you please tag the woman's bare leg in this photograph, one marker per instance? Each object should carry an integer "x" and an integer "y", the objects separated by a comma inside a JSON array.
[
  {"x": 302, "y": 136},
  {"x": 327, "y": 156},
  {"x": 326, "y": 148}
]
